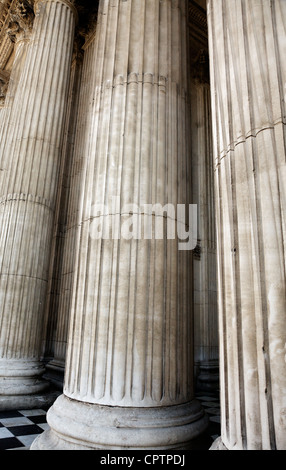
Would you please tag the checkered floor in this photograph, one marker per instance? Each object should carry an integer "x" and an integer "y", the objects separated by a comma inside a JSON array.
[{"x": 18, "y": 429}]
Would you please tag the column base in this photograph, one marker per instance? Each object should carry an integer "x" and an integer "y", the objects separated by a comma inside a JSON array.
[
  {"x": 218, "y": 445},
  {"x": 208, "y": 377},
  {"x": 82, "y": 426},
  {"x": 22, "y": 385},
  {"x": 28, "y": 402}
]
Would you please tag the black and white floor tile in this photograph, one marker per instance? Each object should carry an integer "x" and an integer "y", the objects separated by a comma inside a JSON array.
[{"x": 19, "y": 428}]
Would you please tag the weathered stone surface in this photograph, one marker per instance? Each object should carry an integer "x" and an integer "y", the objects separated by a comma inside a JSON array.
[
  {"x": 112, "y": 98},
  {"x": 76, "y": 425},
  {"x": 247, "y": 48},
  {"x": 130, "y": 334},
  {"x": 29, "y": 176}
]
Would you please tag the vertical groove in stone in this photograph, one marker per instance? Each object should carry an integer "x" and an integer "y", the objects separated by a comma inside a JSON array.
[
  {"x": 249, "y": 146},
  {"x": 129, "y": 332},
  {"x": 29, "y": 181}
]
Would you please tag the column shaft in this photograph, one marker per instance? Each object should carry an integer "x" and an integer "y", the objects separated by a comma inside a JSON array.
[
  {"x": 247, "y": 48},
  {"x": 130, "y": 341},
  {"x": 62, "y": 267},
  {"x": 29, "y": 186},
  {"x": 205, "y": 286},
  {"x": 22, "y": 39}
]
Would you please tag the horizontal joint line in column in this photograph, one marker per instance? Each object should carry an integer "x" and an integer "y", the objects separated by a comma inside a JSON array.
[
  {"x": 243, "y": 139},
  {"x": 130, "y": 214},
  {"x": 15, "y": 197},
  {"x": 134, "y": 77},
  {"x": 23, "y": 275}
]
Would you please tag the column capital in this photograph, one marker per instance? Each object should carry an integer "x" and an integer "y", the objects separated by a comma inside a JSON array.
[
  {"x": 21, "y": 19},
  {"x": 3, "y": 89},
  {"x": 68, "y": 3}
]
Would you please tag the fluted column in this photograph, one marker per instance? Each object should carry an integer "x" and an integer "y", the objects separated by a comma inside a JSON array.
[
  {"x": 247, "y": 50},
  {"x": 129, "y": 368},
  {"x": 205, "y": 288},
  {"x": 58, "y": 305},
  {"x": 19, "y": 31},
  {"x": 27, "y": 205},
  {"x": 20, "y": 48}
]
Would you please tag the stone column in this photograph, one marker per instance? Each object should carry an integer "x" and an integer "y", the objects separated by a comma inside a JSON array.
[
  {"x": 205, "y": 288},
  {"x": 27, "y": 205},
  {"x": 59, "y": 290},
  {"x": 20, "y": 51},
  {"x": 129, "y": 368},
  {"x": 248, "y": 75},
  {"x": 19, "y": 31}
]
